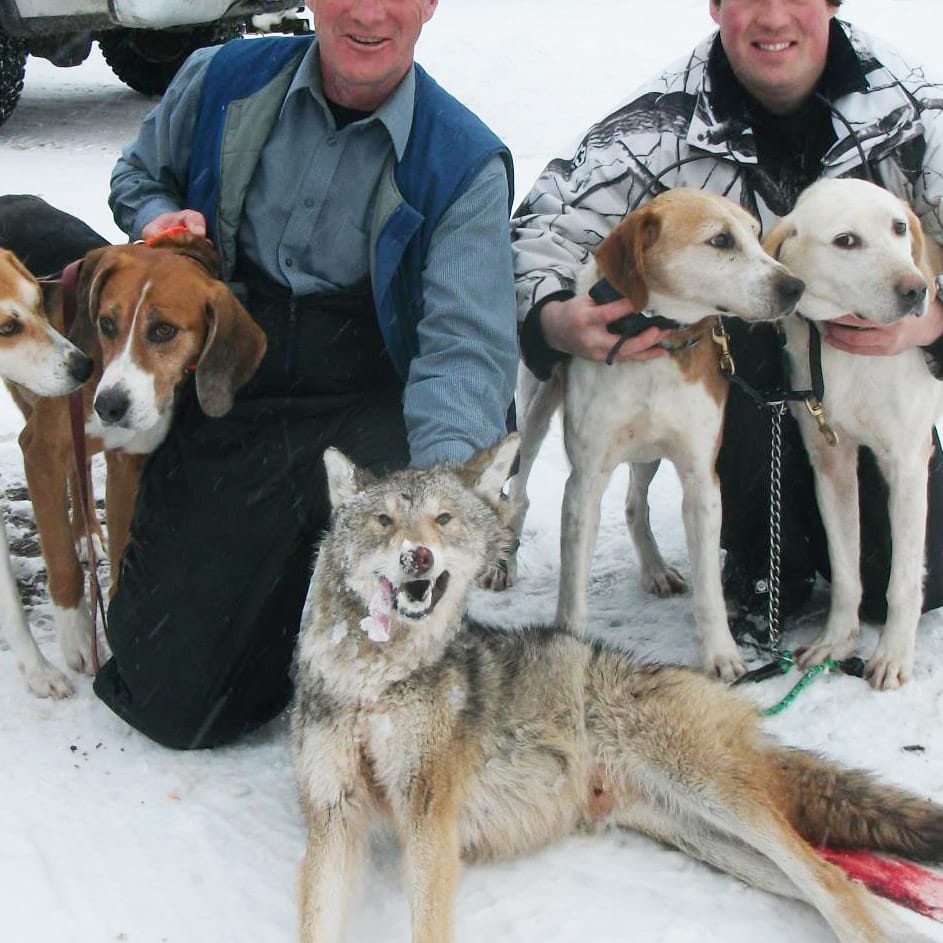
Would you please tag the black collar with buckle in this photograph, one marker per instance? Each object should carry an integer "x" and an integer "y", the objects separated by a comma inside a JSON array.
[{"x": 630, "y": 325}]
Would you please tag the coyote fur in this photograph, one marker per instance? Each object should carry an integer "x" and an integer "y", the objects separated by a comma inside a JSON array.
[{"x": 481, "y": 743}]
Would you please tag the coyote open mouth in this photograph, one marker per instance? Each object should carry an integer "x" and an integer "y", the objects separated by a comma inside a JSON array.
[{"x": 413, "y": 600}]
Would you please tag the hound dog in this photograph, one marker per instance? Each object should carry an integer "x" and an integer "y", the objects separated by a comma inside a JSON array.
[
  {"x": 686, "y": 256},
  {"x": 153, "y": 318},
  {"x": 40, "y": 360},
  {"x": 861, "y": 250}
]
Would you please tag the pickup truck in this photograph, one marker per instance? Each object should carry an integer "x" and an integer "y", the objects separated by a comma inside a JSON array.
[{"x": 144, "y": 41}]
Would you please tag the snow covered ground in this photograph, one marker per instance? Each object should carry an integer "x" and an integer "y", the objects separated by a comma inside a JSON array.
[{"x": 106, "y": 837}]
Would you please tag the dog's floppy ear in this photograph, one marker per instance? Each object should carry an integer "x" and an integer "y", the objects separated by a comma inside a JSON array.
[
  {"x": 234, "y": 348},
  {"x": 52, "y": 295},
  {"x": 488, "y": 470},
  {"x": 97, "y": 266},
  {"x": 778, "y": 235},
  {"x": 344, "y": 478},
  {"x": 918, "y": 245},
  {"x": 188, "y": 244},
  {"x": 621, "y": 255}
]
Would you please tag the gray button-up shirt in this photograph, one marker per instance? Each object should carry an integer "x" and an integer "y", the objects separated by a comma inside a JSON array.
[{"x": 306, "y": 223}]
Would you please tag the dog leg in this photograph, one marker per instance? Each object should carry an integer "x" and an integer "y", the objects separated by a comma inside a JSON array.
[
  {"x": 536, "y": 402},
  {"x": 892, "y": 663},
  {"x": 47, "y": 483},
  {"x": 44, "y": 679},
  {"x": 578, "y": 531},
  {"x": 123, "y": 478},
  {"x": 658, "y": 577},
  {"x": 78, "y": 520},
  {"x": 701, "y": 513},
  {"x": 836, "y": 485}
]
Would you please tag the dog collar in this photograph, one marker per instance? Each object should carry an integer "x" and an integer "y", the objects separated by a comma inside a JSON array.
[
  {"x": 172, "y": 231},
  {"x": 630, "y": 325}
]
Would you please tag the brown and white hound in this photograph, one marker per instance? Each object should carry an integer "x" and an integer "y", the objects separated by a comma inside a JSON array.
[
  {"x": 153, "y": 318},
  {"x": 685, "y": 257},
  {"x": 41, "y": 362}
]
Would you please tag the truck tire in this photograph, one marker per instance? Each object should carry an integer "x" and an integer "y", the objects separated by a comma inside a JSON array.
[
  {"x": 12, "y": 70},
  {"x": 147, "y": 59}
]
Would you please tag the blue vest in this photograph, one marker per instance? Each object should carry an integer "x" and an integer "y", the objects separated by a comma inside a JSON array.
[{"x": 448, "y": 147}]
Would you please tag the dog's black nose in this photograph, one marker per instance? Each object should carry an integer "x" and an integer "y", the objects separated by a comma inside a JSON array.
[
  {"x": 416, "y": 560},
  {"x": 79, "y": 366},
  {"x": 790, "y": 290},
  {"x": 912, "y": 292},
  {"x": 112, "y": 405}
]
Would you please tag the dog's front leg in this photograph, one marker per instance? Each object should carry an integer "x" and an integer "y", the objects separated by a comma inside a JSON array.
[
  {"x": 536, "y": 403},
  {"x": 44, "y": 679},
  {"x": 836, "y": 486},
  {"x": 579, "y": 528},
  {"x": 47, "y": 479},
  {"x": 701, "y": 512},
  {"x": 124, "y": 474},
  {"x": 892, "y": 663}
]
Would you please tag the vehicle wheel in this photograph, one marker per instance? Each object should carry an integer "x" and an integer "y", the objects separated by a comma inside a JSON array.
[
  {"x": 12, "y": 70},
  {"x": 147, "y": 59}
]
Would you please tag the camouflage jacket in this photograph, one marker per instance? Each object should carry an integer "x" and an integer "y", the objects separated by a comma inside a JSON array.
[{"x": 668, "y": 134}]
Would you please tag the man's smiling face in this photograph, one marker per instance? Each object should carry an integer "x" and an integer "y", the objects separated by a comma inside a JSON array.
[
  {"x": 777, "y": 48},
  {"x": 367, "y": 46}
]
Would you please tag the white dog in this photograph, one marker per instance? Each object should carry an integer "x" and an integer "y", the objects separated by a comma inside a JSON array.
[
  {"x": 687, "y": 256},
  {"x": 861, "y": 250}
]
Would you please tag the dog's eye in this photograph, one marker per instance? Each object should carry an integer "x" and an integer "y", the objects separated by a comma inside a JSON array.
[
  {"x": 846, "y": 240},
  {"x": 443, "y": 519},
  {"x": 384, "y": 520},
  {"x": 900, "y": 227},
  {"x": 722, "y": 240},
  {"x": 108, "y": 327},
  {"x": 161, "y": 332},
  {"x": 11, "y": 327}
]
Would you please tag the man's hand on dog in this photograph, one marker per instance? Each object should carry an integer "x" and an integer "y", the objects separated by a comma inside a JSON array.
[
  {"x": 857, "y": 336},
  {"x": 579, "y": 326},
  {"x": 191, "y": 219}
]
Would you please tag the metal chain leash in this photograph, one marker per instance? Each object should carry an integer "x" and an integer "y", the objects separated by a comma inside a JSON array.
[{"x": 775, "y": 525}]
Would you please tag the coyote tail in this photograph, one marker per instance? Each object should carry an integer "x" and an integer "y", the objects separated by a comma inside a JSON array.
[{"x": 845, "y": 808}]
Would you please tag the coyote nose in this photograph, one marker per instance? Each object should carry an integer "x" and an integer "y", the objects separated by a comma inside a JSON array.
[
  {"x": 416, "y": 561},
  {"x": 111, "y": 405},
  {"x": 790, "y": 290}
]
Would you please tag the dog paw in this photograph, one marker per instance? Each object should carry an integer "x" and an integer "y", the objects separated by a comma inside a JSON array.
[
  {"x": 500, "y": 575},
  {"x": 99, "y": 544},
  {"x": 725, "y": 666},
  {"x": 826, "y": 647},
  {"x": 888, "y": 670},
  {"x": 665, "y": 581},
  {"x": 45, "y": 680},
  {"x": 76, "y": 637}
]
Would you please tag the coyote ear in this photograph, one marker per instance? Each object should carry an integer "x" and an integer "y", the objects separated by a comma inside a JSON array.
[
  {"x": 344, "y": 478},
  {"x": 489, "y": 469}
]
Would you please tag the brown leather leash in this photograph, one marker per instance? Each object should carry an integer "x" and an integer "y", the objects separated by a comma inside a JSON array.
[{"x": 70, "y": 277}]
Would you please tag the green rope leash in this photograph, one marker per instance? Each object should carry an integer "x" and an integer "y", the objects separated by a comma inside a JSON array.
[{"x": 785, "y": 662}]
